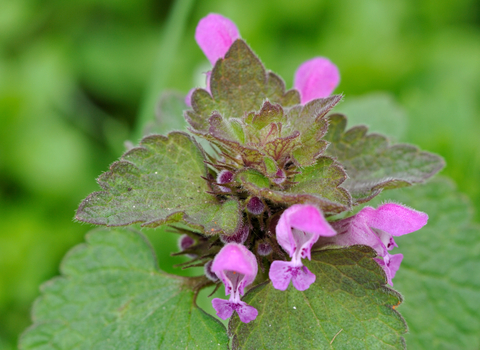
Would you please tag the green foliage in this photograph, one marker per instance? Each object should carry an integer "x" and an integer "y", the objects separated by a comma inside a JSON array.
[
  {"x": 159, "y": 182},
  {"x": 348, "y": 307},
  {"x": 318, "y": 184},
  {"x": 66, "y": 109},
  {"x": 235, "y": 88},
  {"x": 442, "y": 294},
  {"x": 372, "y": 164},
  {"x": 113, "y": 296},
  {"x": 250, "y": 115}
]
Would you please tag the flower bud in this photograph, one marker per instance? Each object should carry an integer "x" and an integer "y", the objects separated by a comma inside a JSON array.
[
  {"x": 207, "y": 268},
  {"x": 238, "y": 237},
  {"x": 264, "y": 249},
  {"x": 255, "y": 206},
  {"x": 224, "y": 177},
  {"x": 280, "y": 177},
  {"x": 185, "y": 242}
]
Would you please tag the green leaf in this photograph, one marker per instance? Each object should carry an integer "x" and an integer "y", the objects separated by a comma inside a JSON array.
[
  {"x": 160, "y": 182},
  {"x": 168, "y": 114},
  {"x": 379, "y": 111},
  {"x": 372, "y": 164},
  {"x": 239, "y": 84},
  {"x": 439, "y": 275},
  {"x": 252, "y": 177},
  {"x": 348, "y": 307},
  {"x": 111, "y": 295},
  {"x": 318, "y": 184},
  {"x": 310, "y": 122}
]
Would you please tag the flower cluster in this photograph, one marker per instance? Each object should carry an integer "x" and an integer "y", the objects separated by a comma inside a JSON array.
[{"x": 299, "y": 228}]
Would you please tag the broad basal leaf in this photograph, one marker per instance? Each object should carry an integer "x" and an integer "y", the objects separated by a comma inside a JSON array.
[
  {"x": 372, "y": 164},
  {"x": 318, "y": 184},
  {"x": 439, "y": 275},
  {"x": 156, "y": 183},
  {"x": 111, "y": 295},
  {"x": 348, "y": 307},
  {"x": 239, "y": 84}
]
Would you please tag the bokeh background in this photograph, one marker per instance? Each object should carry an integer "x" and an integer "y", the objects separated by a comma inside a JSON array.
[{"x": 75, "y": 74}]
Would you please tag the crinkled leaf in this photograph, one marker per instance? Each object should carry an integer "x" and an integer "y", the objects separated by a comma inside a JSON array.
[
  {"x": 111, "y": 295},
  {"x": 318, "y": 184},
  {"x": 439, "y": 275},
  {"x": 372, "y": 164},
  {"x": 239, "y": 84},
  {"x": 348, "y": 307},
  {"x": 159, "y": 182},
  {"x": 252, "y": 177},
  {"x": 168, "y": 114},
  {"x": 379, "y": 111},
  {"x": 310, "y": 122}
]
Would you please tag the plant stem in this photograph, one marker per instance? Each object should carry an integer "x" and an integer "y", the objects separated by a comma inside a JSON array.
[{"x": 169, "y": 43}]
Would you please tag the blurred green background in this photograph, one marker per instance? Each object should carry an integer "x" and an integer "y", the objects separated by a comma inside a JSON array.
[{"x": 73, "y": 76}]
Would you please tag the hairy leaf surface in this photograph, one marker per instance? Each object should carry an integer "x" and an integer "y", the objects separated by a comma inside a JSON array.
[
  {"x": 439, "y": 273},
  {"x": 111, "y": 295},
  {"x": 156, "y": 183},
  {"x": 348, "y": 307},
  {"x": 318, "y": 184},
  {"x": 372, "y": 164},
  {"x": 239, "y": 84}
]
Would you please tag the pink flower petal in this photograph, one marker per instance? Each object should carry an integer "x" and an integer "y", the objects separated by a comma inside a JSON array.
[
  {"x": 223, "y": 308},
  {"x": 279, "y": 275},
  {"x": 394, "y": 218},
  {"x": 354, "y": 230},
  {"x": 307, "y": 218},
  {"x": 246, "y": 312},
  {"x": 390, "y": 264},
  {"x": 188, "y": 98},
  {"x": 316, "y": 78},
  {"x": 235, "y": 258},
  {"x": 215, "y": 34},
  {"x": 302, "y": 278},
  {"x": 281, "y": 272}
]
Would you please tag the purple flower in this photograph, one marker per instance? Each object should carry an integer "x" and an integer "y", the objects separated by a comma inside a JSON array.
[
  {"x": 298, "y": 229},
  {"x": 237, "y": 267},
  {"x": 214, "y": 34},
  {"x": 376, "y": 228},
  {"x": 316, "y": 78},
  {"x": 390, "y": 264}
]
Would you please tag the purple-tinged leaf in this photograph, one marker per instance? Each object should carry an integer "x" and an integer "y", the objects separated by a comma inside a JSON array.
[
  {"x": 239, "y": 84},
  {"x": 318, "y": 184},
  {"x": 160, "y": 182},
  {"x": 372, "y": 164}
]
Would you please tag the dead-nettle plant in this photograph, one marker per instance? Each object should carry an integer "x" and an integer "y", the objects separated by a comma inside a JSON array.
[{"x": 266, "y": 207}]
